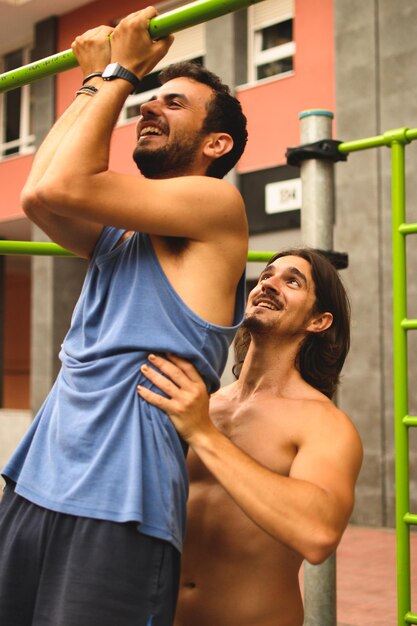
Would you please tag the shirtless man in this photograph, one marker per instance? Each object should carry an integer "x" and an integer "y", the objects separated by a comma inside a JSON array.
[
  {"x": 273, "y": 468},
  {"x": 96, "y": 491}
]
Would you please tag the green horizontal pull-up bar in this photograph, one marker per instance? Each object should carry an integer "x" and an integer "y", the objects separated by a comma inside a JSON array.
[
  {"x": 396, "y": 135},
  {"x": 40, "y": 248},
  {"x": 160, "y": 26}
]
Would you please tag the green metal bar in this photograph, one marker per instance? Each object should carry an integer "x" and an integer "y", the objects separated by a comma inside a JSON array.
[
  {"x": 412, "y": 134},
  {"x": 400, "y": 379},
  {"x": 408, "y": 229},
  {"x": 411, "y": 618},
  {"x": 39, "y": 248},
  {"x": 361, "y": 144},
  {"x": 410, "y": 420},
  {"x": 160, "y": 26},
  {"x": 410, "y": 518},
  {"x": 409, "y": 324},
  {"x": 259, "y": 257},
  {"x": 32, "y": 248},
  {"x": 404, "y": 135}
]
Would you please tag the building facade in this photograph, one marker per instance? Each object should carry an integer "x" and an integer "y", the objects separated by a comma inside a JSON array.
[{"x": 280, "y": 57}]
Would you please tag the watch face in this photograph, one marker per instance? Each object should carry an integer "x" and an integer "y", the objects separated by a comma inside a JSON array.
[{"x": 110, "y": 70}]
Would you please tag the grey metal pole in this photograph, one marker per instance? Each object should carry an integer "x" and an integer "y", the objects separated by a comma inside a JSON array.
[
  {"x": 317, "y": 181},
  {"x": 317, "y": 220}
]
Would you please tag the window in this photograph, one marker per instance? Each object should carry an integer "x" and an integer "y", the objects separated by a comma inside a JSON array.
[
  {"x": 16, "y": 133},
  {"x": 271, "y": 45}
]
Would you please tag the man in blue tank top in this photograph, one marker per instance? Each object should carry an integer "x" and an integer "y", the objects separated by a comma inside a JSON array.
[{"x": 93, "y": 516}]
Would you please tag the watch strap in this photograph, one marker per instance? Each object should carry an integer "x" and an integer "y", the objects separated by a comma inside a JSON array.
[{"x": 118, "y": 71}]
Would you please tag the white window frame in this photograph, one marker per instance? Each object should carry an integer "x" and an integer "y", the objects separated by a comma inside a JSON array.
[
  {"x": 257, "y": 56},
  {"x": 26, "y": 141}
]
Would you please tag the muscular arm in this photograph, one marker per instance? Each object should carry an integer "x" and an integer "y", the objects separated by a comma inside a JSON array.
[
  {"x": 69, "y": 231},
  {"x": 307, "y": 510},
  {"x": 78, "y": 144},
  {"x": 73, "y": 233},
  {"x": 78, "y": 182}
]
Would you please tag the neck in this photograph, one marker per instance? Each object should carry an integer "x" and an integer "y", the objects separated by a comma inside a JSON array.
[{"x": 270, "y": 367}]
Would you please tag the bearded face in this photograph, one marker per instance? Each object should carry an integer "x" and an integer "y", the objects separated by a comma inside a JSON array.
[{"x": 174, "y": 158}]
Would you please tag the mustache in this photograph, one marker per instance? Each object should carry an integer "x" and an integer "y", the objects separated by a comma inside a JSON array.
[
  {"x": 163, "y": 126},
  {"x": 271, "y": 298}
]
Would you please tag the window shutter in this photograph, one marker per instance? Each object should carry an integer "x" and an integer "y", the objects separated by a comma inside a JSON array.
[
  {"x": 188, "y": 44},
  {"x": 270, "y": 12}
]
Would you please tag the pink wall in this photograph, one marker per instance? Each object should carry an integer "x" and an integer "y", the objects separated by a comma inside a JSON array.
[
  {"x": 272, "y": 108},
  {"x": 13, "y": 173}
]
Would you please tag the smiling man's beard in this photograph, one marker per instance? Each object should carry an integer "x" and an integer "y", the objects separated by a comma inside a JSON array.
[
  {"x": 173, "y": 159},
  {"x": 257, "y": 325}
]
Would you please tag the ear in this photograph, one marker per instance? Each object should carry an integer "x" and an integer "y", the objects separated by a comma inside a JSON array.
[
  {"x": 217, "y": 144},
  {"x": 319, "y": 323}
]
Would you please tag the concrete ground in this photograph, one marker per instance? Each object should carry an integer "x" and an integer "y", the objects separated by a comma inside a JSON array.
[{"x": 366, "y": 577}]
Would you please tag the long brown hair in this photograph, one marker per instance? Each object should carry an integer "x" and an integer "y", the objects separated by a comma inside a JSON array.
[{"x": 321, "y": 355}]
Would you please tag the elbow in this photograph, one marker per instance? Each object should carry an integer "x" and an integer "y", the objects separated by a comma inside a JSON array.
[
  {"x": 322, "y": 546},
  {"x": 31, "y": 202},
  {"x": 35, "y": 200}
]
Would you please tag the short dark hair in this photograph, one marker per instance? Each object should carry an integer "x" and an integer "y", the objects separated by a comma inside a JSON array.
[
  {"x": 321, "y": 355},
  {"x": 224, "y": 112}
]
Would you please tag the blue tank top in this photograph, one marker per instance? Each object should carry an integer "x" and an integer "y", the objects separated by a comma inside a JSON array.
[{"x": 95, "y": 448}]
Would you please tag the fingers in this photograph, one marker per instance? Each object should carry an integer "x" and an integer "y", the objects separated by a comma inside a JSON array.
[
  {"x": 153, "y": 398},
  {"x": 179, "y": 370},
  {"x": 132, "y": 45},
  {"x": 186, "y": 401},
  {"x": 92, "y": 49},
  {"x": 164, "y": 44},
  {"x": 173, "y": 375},
  {"x": 186, "y": 367},
  {"x": 100, "y": 34},
  {"x": 138, "y": 19},
  {"x": 149, "y": 12},
  {"x": 158, "y": 380}
]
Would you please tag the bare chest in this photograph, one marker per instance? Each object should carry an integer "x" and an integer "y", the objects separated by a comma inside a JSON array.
[{"x": 264, "y": 431}]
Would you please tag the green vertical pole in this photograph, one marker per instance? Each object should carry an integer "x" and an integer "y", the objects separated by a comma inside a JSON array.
[
  {"x": 400, "y": 379},
  {"x": 397, "y": 139}
]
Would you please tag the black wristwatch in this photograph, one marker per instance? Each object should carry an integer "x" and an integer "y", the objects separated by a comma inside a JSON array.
[{"x": 114, "y": 70}]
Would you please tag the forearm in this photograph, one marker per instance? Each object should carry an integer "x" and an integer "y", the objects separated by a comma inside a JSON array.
[
  {"x": 297, "y": 513},
  {"x": 85, "y": 150},
  {"x": 61, "y": 151},
  {"x": 79, "y": 236},
  {"x": 83, "y": 157},
  {"x": 51, "y": 144}
]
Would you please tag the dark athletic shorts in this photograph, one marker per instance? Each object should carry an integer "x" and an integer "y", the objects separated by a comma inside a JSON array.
[{"x": 63, "y": 570}]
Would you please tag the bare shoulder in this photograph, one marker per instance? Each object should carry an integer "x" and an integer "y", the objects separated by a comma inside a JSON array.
[
  {"x": 323, "y": 415},
  {"x": 328, "y": 450},
  {"x": 213, "y": 186},
  {"x": 329, "y": 432},
  {"x": 216, "y": 197}
]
